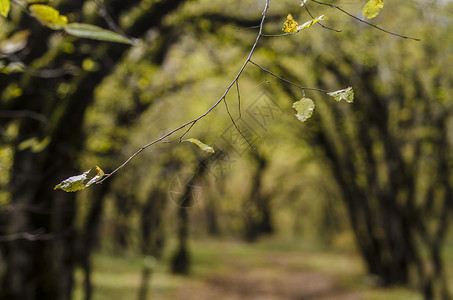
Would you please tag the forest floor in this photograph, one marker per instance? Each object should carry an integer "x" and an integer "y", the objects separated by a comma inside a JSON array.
[
  {"x": 278, "y": 279},
  {"x": 233, "y": 270}
]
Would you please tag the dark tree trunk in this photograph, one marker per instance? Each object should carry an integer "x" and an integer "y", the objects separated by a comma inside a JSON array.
[{"x": 257, "y": 208}]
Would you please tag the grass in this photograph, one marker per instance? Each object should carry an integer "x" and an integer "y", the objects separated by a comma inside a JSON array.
[{"x": 118, "y": 278}]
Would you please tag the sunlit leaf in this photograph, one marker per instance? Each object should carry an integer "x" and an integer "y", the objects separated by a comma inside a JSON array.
[
  {"x": 5, "y": 6},
  {"x": 48, "y": 16},
  {"x": 77, "y": 183},
  {"x": 311, "y": 22},
  {"x": 372, "y": 8},
  {"x": 290, "y": 25},
  {"x": 97, "y": 177},
  {"x": 74, "y": 183},
  {"x": 15, "y": 43},
  {"x": 345, "y": 94},
  {"x": 202, "y": 146},
  {"x": 304, "y": 108},
  {"x": 94, "y": 32}
]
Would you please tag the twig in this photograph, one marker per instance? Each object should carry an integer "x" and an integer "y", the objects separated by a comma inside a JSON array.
[
  {"x": 235, "y": 125},
  {"x": 365, "y": 22},
  {"x": 319, "y": 23},
  {"x": 239, "y": 99},
  {"x": 287, "y": 81},
  {"x": 246, "y": 28},
  {"x": 192, "y": 122},
  {"x": 13, "y": 114}
]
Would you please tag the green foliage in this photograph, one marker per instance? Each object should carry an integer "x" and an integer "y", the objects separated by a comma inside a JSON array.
[
  {"x": 15, "y": 43},
  {"x": 77, "y": 183},
  {"x": 5, "y": 6},
  {"x": 372, "y": 8},
  {"x": 345, "y": 94},
  {"x": 48, "y": 16},
  {"x": 304, "y": 108},
  {"x": 89, "y": 31},
  {"x": 202, "y": 146}
]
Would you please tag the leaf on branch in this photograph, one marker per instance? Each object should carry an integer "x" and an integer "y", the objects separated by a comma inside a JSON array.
[
  {"x": 48, "y": 16},
  {"x": 5, "y": 6},
  {"x": 77, "y": 183},
  {"x": 304, "y": 108},
  {"x": 311, "y": 22},
  {"x": 202, "y": 146},
  {"x": 290, "y": 25},
  {"x": 345, "y": 94},
  {"x": 99, "y": 175},
  {"x": 15, "y": 43},
  {"x": 372, "y": 8},
  {"x": 94, "y": 32}
]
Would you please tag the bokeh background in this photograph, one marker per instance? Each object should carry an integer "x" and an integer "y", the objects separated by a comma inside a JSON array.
[{"x": 355, "y": 203}]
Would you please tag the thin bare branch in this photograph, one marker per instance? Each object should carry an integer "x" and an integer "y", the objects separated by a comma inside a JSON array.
[
  {"x": 192, "y": 122},
  {"x": 235, "y": 125},
  {"x": 239, "y": 99},
  {"x": 15, "y": 114},
  {"x": 365, "y": 22},
  {"x": 319, "y": 23},
  {"x": 287, "y": 81}
]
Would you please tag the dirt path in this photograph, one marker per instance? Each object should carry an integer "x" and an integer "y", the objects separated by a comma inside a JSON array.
[{"x": 279, "y": 279}]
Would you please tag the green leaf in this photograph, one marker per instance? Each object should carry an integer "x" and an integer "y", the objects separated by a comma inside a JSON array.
[
  {"x": 304, "y": 108},
  {"x": 94, "y": 32},
  {"x": 345, "y": 94},
  {"x": 5, "y": 6},
  {"x": 15, "y": 43},
  {"x": 202, "y": 146},
  {"x": 48, "y": 16},
  {"x": 372, "y": 8},
  {"x": 77, "y": 183},
  {"x": 74, "y": 183}
]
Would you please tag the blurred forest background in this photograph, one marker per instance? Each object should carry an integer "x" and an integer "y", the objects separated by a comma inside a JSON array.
[{"x": 355, "y": 203}]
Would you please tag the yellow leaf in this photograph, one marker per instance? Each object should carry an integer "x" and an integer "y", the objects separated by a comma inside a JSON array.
[
  {"x": 99, "y": 171},
  {"x": 372, "y": 8},
  {"x": 290, "y": 25},
  {"x": 48, "y": 16},
  {"x": 5, "y": 6}
]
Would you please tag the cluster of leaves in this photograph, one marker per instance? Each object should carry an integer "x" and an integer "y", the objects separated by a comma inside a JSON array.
[
  {"x": 305, "y": 106},
  {"x": 51, "y": 18}
]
